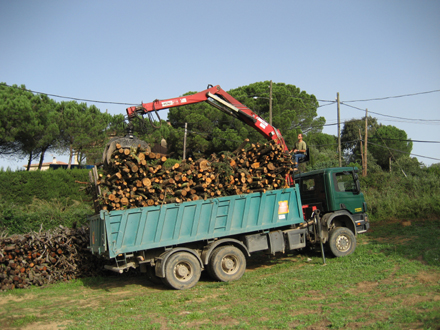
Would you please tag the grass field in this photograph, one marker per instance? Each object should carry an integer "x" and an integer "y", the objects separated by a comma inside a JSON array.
[{"x": 392, "y": 281}]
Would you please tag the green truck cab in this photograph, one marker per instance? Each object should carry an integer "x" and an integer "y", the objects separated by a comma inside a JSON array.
[{"x": 336, "y": 193}]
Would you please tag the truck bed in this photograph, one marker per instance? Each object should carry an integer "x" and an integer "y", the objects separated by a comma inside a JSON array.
[{"x": 137, "y": 229}]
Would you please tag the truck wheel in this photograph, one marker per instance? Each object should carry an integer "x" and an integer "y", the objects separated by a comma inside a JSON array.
[
  {"x": 182, "y": 271},
  {"x": 342, "y": 242},
  {"x": 227, "y": 263}
]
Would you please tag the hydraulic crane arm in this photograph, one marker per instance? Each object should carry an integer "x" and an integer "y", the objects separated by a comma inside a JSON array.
[{"x": 221, "y": 100}]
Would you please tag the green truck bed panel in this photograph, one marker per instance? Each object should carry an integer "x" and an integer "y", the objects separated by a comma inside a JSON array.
[{"x": 151, "y": 227}]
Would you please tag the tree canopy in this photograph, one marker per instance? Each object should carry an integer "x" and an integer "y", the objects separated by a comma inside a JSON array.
[
  {"x": 30, "y": 125},
  {"x": 389, "y": 143},
  {"x": 350, "y": 136},
  {"x": 211, "y": 131}
]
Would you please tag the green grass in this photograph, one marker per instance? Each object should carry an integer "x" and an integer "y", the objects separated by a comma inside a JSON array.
[{"x": 392, "y": 281}]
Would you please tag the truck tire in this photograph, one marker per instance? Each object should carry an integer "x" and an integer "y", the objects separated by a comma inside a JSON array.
[
  {"x": 227, "y": 263},
  {"x": 342, "y": 242},
  {"x": 182, "y": 271}
]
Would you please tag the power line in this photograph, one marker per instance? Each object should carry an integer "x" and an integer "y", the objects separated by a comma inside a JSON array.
[
  {"x": 410, "y": 140},
  {"x": 69, "y": 98},
  {"x": 380, "y": 114},
  {"x": 345, "y": 142},
  {"x": 379, "y": 145},
  {"x": 394, "y": 97}
]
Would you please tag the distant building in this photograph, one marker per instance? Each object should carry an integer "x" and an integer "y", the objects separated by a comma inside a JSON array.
[{"x": 46, "y": 166}]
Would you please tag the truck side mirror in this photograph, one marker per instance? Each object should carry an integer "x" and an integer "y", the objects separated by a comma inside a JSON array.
[{"x": 358, "y": 186}]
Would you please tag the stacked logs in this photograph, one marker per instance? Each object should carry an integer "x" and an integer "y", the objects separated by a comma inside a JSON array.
[
  {"x": 46, "y": 257},
  {"x": 138, "y": 178}
]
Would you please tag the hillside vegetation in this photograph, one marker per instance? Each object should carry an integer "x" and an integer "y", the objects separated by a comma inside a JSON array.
[{"x": 47, "y": 199}]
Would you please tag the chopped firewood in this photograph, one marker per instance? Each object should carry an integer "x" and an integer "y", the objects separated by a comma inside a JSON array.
[{"x": 137, "y": 178}]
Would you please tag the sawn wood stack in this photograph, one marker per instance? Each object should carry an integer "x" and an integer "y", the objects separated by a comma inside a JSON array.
[{"x": 138, "y": 178}]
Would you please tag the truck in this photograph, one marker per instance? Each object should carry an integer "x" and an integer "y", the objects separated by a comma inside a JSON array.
[{"x": 173, "y": 243}]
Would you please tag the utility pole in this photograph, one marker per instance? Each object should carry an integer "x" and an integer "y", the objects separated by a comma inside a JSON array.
[
  {"x": 366, "y": 139},
  {"x": 362, "y": 152},
  {"x": 184, "y": 142},
  {"x": 270, "y": 104},
  {"x": 339, "y": 132}
]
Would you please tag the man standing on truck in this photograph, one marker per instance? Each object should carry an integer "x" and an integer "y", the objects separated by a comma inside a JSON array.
[{"x": 299, "y": 151}]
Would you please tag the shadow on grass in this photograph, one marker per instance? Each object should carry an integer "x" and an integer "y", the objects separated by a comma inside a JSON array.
[{"x": 109, "y": 280}]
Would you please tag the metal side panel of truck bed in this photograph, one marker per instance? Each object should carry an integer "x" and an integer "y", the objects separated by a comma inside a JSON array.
[{"x": 151, "y": 227}]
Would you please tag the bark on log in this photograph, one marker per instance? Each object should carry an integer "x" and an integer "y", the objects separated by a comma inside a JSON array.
[{"x": 142, "y": 179}]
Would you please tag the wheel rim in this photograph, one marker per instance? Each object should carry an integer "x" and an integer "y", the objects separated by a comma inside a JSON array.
[
  {"x": 230, "y": 264},
  {"x": 343, "y": 243},
  {"x": 183, "y": 271}
]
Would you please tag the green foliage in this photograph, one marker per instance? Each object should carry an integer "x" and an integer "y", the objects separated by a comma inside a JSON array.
[
  {"x": 435, "y": 169},
  {"x": 39, "y": 214},
  {"x": 83, "y": 128},
  {"x": 212, "y": 131},
  {"x": 30, "y": 125},
  {"x": 392, "y": 195},
  {"x": 350, "y": 136},
  {"x": 48, "y": 198},
  {"x": 389, "y": 142},
  {"x": 293, "y": 111},
  {"x": 322, "y": 150}
]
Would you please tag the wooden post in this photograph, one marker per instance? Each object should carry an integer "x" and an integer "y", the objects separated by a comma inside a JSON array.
[
  {"x": 366, "y": 141},
  {"x": 184, "y": 142},
  {"x": 339, "y": 133},
  {"x": 270, "y": 104},
  {"x": 362, "y": 152}
]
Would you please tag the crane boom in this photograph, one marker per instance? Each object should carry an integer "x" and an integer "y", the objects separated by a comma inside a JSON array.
[{"x": 220, "y": 99}]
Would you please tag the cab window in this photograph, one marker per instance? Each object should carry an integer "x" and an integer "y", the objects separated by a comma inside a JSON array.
[{"x": 344, "y": 182}]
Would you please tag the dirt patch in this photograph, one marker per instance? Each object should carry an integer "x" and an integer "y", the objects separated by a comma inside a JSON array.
[
  {"x": 366, "y": 286},
  {"x": 428, "y": 278},
  {"x": 396, "y": 239},
  {"x": 10, "y": 298},
  {"x": 46, "y": 326}
]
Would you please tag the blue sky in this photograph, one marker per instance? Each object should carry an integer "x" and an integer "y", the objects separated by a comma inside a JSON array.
[{"x": 134, "y": 51}]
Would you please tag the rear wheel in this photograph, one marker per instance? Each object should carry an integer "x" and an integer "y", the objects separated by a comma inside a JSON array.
[
  {"x": 342, "y": 242},
  {"x": 227, "y": 263},
  {"x": 182, "y": 271}
]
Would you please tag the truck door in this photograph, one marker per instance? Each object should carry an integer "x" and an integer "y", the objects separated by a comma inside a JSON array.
[
  {"x": 313, "y": 192},
  {"x": 346, "y": 192}
]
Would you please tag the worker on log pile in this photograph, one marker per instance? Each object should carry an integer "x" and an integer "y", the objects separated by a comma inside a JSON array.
[{"x": 299, "y": 151}]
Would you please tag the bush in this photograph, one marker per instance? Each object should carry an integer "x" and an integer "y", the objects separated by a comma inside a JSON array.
[
  {"x": 20, "y": 187},
  {"x": 29, "y": 200},
  {"x": 392, "y": 195}
]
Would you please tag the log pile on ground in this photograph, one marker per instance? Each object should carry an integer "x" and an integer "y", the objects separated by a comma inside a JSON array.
[
  {"x": 46, "y": 257},
  {"x": 138, "y": 178}
]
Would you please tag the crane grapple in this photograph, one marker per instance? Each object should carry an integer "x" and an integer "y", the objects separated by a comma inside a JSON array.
[{"x": 128, "y": 141}]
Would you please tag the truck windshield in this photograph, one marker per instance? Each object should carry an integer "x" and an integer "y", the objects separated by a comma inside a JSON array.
[{"x": 344, "y": 182}]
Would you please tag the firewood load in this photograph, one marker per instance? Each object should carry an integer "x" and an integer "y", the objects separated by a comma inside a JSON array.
[
  {"x": 135, "y": 177},
  {"x": 46, "y": 257}
]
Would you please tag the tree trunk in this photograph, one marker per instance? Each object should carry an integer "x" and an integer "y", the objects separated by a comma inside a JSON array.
[
  {"x": 43, "y": 151},
  {"x": 29, "y": 162},
  {"x": 70, "y": 157}
]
